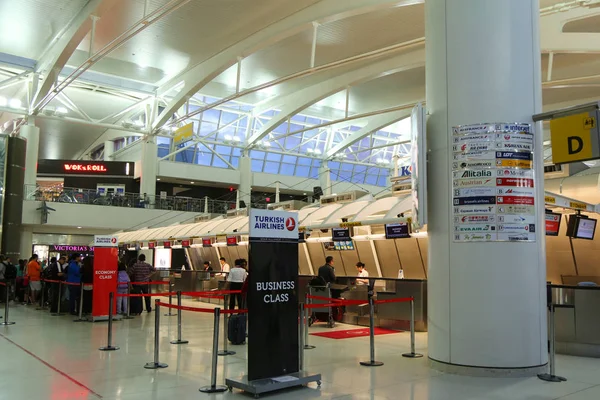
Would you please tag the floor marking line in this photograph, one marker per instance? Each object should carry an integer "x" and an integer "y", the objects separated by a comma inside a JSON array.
[{"x": 52, "y": 367}]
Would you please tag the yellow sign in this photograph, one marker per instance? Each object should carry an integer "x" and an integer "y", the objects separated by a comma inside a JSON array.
[
  {"x": 575, "y": 138},
  {"x": 550, "y": 200},
  {"x": 183, "y": 134},
  {"x": 514, "y": 163},
  {"x": 350, "y": 224},
  {"x": 577, "y": 205}
]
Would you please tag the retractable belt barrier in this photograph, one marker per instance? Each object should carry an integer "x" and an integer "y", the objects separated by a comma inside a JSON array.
[
  {"x": 59, "y": 297},
  {"x": 7, "y": 290},
  {"x": 151, "y": 283}
]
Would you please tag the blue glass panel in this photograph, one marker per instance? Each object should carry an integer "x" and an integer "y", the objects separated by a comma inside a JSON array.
[
  {"x": 343, "y": 176},
  {"x": 163, "y": 151},
  {"x": 313, "y": 121},
  {"x": 299, "y": 117},
  {"x": 358, "y": 178},
  {"x": 237, "y": 151},
  {"x": 257, "y": 165},
  {"x": 223, "y": 150},
  {"x": 257, "y": 155},
  {"x": 360, "y": 169},
  {"x": 295, "y": 127},
  {"x": 271, "y": 167},
  {"x": 227, "y": 117},
  {"x": 371, "y": 179},
  {"x": 384, "y": 171},
  {"x": 211, "y": 115},
  {"x": 346, "y": 166},
  {"x": 207, "y": 127},
  {"x": 289, "y": 159},
  {"x": 287, "y": 169},
  {"x": 273, "y": 156},
  {"x": 314, "y": 173},
  {"x": 334, "y": 165},
  {"x": 235, "y": 161},
  {"x": 281, "y": 128},
  {"x": 382, "y": 181},
  {"x": 163, "y": 140},
  {"x": 204, "y": 157},
  {"x": 302, "y": 171},
  {"x": 304, "y": 161},
  {"x": 218, "y": 163},
  {"x": 292, "y": 141}
]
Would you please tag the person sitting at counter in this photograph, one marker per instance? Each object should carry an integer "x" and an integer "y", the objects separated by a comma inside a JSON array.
[
  {"x": 207, "y": 267},
  {"x": 362, "y": 273},
  {"x": 327, "y": 272},
  {"x": 224, "y": 266}
]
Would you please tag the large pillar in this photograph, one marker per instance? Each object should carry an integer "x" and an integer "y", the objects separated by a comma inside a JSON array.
[
  {"x": 149, "y": 167},
  {"x": 26, "y": 243},
  {"x": 486, "y": 300},
  {"x": 12, "y": 214},
  {"x": 109, "y": 149},
  {"x": 245, "y": 188},
  {"x": 325, "y": 178},
  {"x": 31, "y": 134}
]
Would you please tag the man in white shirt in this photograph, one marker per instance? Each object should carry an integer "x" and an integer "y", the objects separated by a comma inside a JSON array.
[
  {"x": 237, "y": 277},
  {"x": 224, "y": 266},
  {"x": 362, "y": 273}
]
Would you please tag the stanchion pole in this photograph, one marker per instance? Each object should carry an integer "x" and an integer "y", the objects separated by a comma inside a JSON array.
[
  {"x": 42, "y": 306},
  {"x": 156, "y": 364},
  {"x": 128, "y": 316},
  {"x": 301, "y": 336},
  {"x": 213, "y": 388},
  {"x": 371, "y": 362},
  {"x": 80, "y": 317},
  {"x": 170, "y": 314},
  {"x": 225, "y": 351},
  {"x": 306, "y": 317},
  {"x": 179, "y": 340},
  {"x": 109, "y": 346},
  {"x": 7, "y": 290},
  {"x": 551, "y": 377},
  {"x": 412, "y": 353},
  {"x": 58, "y": 313}
]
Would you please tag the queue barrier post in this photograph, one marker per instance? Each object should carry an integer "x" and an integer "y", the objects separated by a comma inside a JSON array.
[
  {"x": 58, "y": 313},
  {"x": 156, "y": 364},
  {"x": 7, "y": 290},
  {"x": 170, "y": 314},
  {"x": 109, "y": 346},
  {"x": 371, "y": 362},
  {"x": 301, "y": 336},
  {"x": 80, "y": 316},
  {"x": 551, "y": 377},
  {"x": 307, "y": 346},
  {"x": 225, "y": 351},
  {"x": 179, "y": 340},
  {"x": 43, "y": 303},
  {"x": 128, "y": 316},
  {"x": 214, "y": 388},
  {"x": 412, "y": 353}
]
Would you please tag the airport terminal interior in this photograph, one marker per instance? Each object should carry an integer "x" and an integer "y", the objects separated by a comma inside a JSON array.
[{"x": 298, "y": 199}]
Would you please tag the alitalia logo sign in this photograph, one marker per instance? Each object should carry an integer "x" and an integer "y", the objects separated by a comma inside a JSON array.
[{"x": 484, "y": 173}]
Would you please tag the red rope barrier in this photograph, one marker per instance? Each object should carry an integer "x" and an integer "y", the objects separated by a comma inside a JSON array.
[
  {"x": 71, "y": 283},
  {"x": 310, "y": 306},
  {"x": 396, "y": 300},
  {"x": 151, "y": 283},
  {"x": 50, "y": 281},
  {"x": 322, "y": 298},
  {"x": 2, "y": 284},
  {"x": 146, "y": 294},
  {"x": 200, "y": 309}
]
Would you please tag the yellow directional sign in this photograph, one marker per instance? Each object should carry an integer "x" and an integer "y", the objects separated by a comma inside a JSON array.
[
  {"x": 183, "y": 134},
  {"x": 575, "y": 137}
]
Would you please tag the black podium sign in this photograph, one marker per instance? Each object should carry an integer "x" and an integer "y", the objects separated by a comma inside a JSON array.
[{"x": 272, "y": 294}]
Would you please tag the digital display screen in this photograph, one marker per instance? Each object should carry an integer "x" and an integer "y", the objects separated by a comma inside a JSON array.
[
  {"x": 162, "y": 258},
  {"x": 397, "y": 231},
  {"x": 552, "y": 224},
  {"x": 586, "y": 227},
  {"x": 343, "y": 245},
  {"x": 206, "y": 242},
  {"x": 232, "y": 241},
  {"x": 340, "y": 234}
]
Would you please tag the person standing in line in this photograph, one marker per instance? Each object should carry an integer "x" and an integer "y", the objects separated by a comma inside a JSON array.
[
  {"x": 53, "y": 274},
  {"x": 141, "y": 273},
  {"x": 122, "y": 287},
  {"x": 362, "y": 273},
  {"x": 224, "y": 266},
  {"x": 74, "y": 276},
  {"x": 327, "y": 271},
  {"x": 2, "y": 279},
  {"x": 34, "y": 275},
  {"x": 237, "y": 277}
]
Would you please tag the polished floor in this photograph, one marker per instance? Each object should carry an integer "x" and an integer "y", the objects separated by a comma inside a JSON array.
[{"x": 52, "y": 358}]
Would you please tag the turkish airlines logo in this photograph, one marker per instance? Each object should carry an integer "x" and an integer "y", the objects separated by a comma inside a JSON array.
[
  {"x": 113, "y": 240},
  {"x": 290, "y": 224}
]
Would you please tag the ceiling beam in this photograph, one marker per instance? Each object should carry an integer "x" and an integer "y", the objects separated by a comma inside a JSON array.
[
  {"x": 65, "y": 43},
  {"x": 554, "y": 40},
  {"x": 296, "y": 102},
  {"x": 373, "y": 125},
  {"x": 192, "y": 80}
]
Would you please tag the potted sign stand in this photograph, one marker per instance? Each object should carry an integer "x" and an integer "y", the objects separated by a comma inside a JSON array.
[{"x": 275, "y": 351}]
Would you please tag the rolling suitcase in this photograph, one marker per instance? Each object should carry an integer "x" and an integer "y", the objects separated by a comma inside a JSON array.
[
  {"x": 236, "y": 330},
  {"x": 136, "y": 302}
]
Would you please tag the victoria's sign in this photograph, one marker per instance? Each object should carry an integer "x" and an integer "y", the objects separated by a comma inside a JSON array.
[
  {"x": 92, "y": 168},
  {"x": 73, "y": 248}
]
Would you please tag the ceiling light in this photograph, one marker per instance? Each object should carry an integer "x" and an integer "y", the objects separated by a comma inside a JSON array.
[
  {"x": 14, "y": 103},
  {"x": 309, "y": 150},
  {"x": 158, "y": 179},
  {"x": 139, "y": 123},
  {"x": 237, "y": 139},
  {"x": 317, "y": 151},
  {"x": 228, "y": 137},
  {"x": 192, "y": 183},
  {"x": 3, "y": 101},
  {"x": 78, "y": 227},
  {"x": 62, "y": 110},
  {"x": 173, "y": 128}
]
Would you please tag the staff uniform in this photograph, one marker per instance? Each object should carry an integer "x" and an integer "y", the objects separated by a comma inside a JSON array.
[
  {"x": 237, "y": 277},
  {"x": 363, "y": 274}
]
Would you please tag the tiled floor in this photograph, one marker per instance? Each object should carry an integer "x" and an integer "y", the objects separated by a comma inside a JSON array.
[{"x": 45, "y": 357}]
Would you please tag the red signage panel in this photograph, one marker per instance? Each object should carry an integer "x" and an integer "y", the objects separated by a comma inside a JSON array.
[
  {"x": 151, "y": 245},
  {"x": 167, "y": 245},
  {"x": 105, "y": 280},
  {"x": 516, "y": 200},
  {"x": 231, "y": 240},
  {"x": 185, "y": 243}
]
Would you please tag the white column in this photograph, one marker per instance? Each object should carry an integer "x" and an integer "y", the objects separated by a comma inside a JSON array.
[
  {"x": 325, "y": 178},
  {"x": 109, "y": 149},
  {"x": 31, "y": 134},
  {"x": 26, "y": 242},
  {"x": 486, "y": 301},
  {"x": 245, "y": 187},
  {"x": 149, "y": 167}
]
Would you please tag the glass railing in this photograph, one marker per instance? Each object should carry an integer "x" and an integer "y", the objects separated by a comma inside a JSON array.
[{"x": 133, "y": 200}]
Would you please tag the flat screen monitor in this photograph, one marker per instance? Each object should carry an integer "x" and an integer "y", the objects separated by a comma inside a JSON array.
[
  {"x": 340, "y": 234},
  {"x": 343, "y": 245},
  {"x": 552, "y": 224},
  {"x": 232, "y": 240},
  {"x": 586, "y": 227},
  {"x": 162, "y": 258},
  {"x": 206, "y": 242},
  {"x": 397, "y": 231}
]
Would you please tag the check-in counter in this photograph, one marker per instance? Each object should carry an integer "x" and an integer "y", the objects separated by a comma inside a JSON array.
[
  {"x": 193, "y": 281},
  {"x": 577, "y": 324}
]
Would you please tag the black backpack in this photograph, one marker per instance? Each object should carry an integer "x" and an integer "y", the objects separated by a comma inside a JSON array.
[{"x": 10, "y": 272}]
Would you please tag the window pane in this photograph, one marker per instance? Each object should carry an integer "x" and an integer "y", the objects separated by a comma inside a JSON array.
[
  {"x": 382, "y": 181},
  {"x": 371, "y": 179},
  {"x": 273, "y": 157},
  {"x": 346, "y": 166},
  {"x": 211, "y": 116},
  {"x": 358, "y": 178},
  {"x": 289, "y": 159},
  {"x": 304, "y": 161},
  {"x": 257, "y": 155},
  {"x": 204, "y": 158},
  {"x": 302, "y": 171},
  {"x": 257, "y": 165},
  {"x": 271, "y": 167},
  {"x": 217, "y": 162},
  {"x": 235, "y": 161},
  {"x": 223, "y": 150},
  {"x": 287, "y": 169},
  {"x": 163, "y": 140}
]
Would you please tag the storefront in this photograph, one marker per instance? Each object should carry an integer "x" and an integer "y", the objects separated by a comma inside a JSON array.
[{"x": 46, "y": 251}]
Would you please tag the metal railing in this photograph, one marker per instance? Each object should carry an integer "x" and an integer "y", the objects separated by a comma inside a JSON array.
[{"x": 133, "y": 200}]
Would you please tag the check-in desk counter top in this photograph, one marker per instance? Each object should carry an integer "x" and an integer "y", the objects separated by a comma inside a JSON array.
[
  {"x": 577, "y": 322},
  {"x": 193, "y": 281},
  {"x": 388, "y": 315}
]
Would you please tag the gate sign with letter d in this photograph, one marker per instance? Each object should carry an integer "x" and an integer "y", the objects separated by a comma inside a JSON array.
[{"x": 575, "y": 137}]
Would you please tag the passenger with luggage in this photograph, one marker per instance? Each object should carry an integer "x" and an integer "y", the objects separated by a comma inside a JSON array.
[
  {"x": 237, "y": 277},
  {"x": 122, "y": 288},
  {"x": 327, "y": 271},
  {"x": 141, "y": 273}
]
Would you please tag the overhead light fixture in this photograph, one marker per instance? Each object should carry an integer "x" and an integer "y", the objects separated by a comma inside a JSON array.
[
  {"x": 14, "y": 103},
  {"x": 317, "y": 151},
  {"x": 3, "y": 101},
  {"x": 78, "y": 227},
  {"x": 310, "y": 151},
  {"x": 228, "y": 138},
  {"x": 62, "y": 111},
  {"x": 237, "y": 139},
  {"x": 158, "y": 179},
  {"x": 139, "y": 123},
  {"x": 192, "y": 183}
]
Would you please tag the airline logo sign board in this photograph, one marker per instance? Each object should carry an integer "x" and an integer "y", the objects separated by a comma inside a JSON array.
[
  {"x": 575, "y": 137},
  {"x": 105, "y": 241},
  {"x": 273, "y": 225}
]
